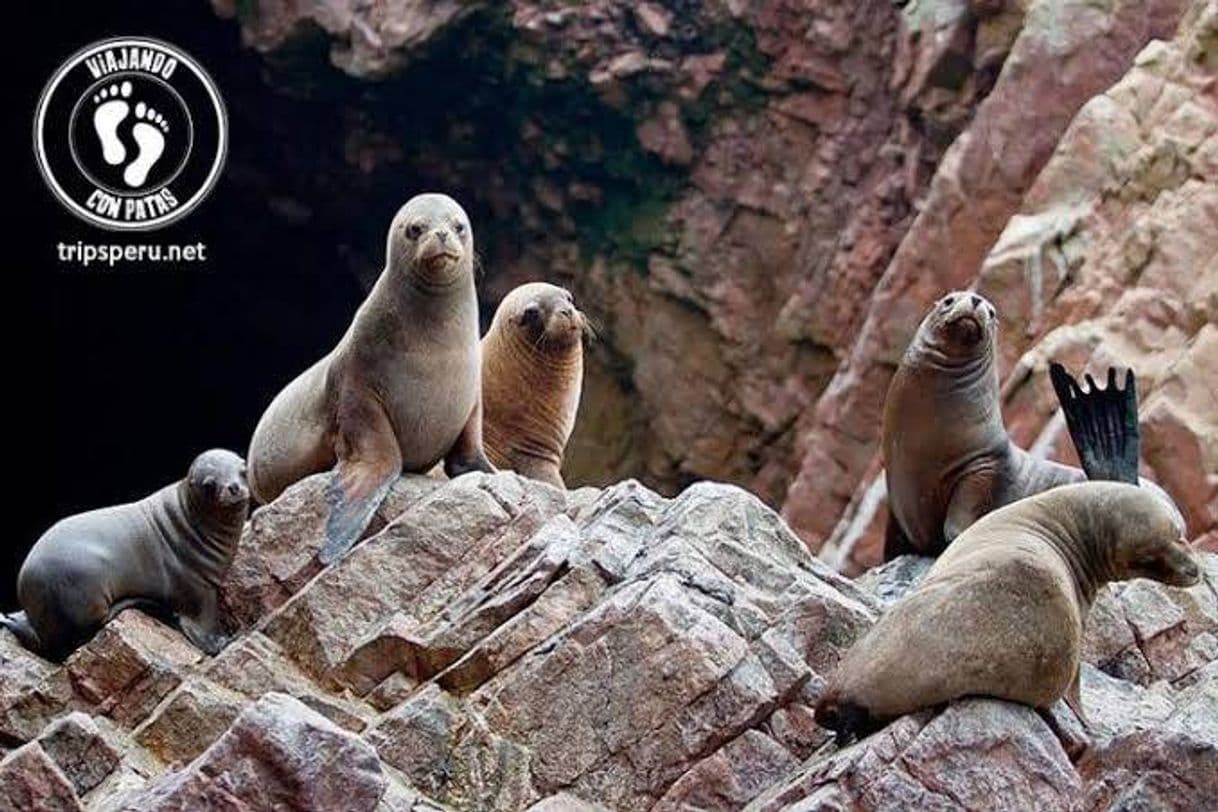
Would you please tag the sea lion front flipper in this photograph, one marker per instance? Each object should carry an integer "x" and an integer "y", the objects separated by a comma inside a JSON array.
[
  {"x": 1074, "y": 699},
  {"x": 467, "y": 453},
  {"x": 896, "y": 543},
  {"x": 203, "y": 627},
  {"x": 1103, "y": 424},
  {"x": 972, "y": 498},
  {"x": 356, "y": 490},
  {"x": 369, "y": 462}
]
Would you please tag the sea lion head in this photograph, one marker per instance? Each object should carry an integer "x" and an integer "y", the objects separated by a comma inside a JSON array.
[
  {"x": 962, "y": 324},
  {"x": 1148, "y": 537},
  {"x": 219, "y": 477},
  {"x": 544, "y": 316},
  {"x": 430, "y": 239}
]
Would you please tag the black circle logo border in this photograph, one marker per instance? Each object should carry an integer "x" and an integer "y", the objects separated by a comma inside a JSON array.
[{"x": 185, "y": 60}]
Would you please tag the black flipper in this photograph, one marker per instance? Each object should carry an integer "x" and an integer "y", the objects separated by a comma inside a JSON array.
[
  {"x": 1103, "y": 423},
  {"x": 848, "y": 720},
  {"x": 19, "y": 624}
]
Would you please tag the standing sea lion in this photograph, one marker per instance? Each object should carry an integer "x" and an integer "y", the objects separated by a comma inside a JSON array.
[
  {"x": 168, "y": 551},
  {"x": 532, "y": 373},
  {"x": 1001, "y": 612},
  {"x": 947, "y": 456},
  {"x": 401, "y": 391}
]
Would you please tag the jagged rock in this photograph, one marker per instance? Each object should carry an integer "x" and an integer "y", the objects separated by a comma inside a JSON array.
[
  {"x": 502, "y": 645},
  {"x": 1171, "y": 765},
  {"x": 30, "y": 780},
  {"x": 32, "y": 692},
  {"x": 370, "y": 39},
  {"x": 979, "y": 754},
  {"x": 130, "y": 666},
  {"x": 188, "y": 721},
  {"x": 1094, "y": 240},
  {"x": 277, "y": 754},
  {"x": 890, "y": 582},
  {"x": 278, "y": 550},
  {"x": 81, "y": 751}
]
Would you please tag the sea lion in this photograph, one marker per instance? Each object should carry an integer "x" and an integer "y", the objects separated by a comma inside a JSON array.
[
  {"x": 947, "y": 457},
  {"x": 399, "y": 392},
  {"x": 168, "y": 552},
  {"x": 1001, "y": 612},
  {"x": 532, "y": 373}
]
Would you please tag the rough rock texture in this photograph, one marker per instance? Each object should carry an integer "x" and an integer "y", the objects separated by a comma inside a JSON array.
[
  {"x": 500, "y": 644},
  {"x": 1108, "y": 255},
  {"x": 757, "y": 200}
]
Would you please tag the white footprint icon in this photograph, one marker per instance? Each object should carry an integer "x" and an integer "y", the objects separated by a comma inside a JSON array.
[
  {"x": 149, "y": 134},
  {"x": 110, "y": 112}
]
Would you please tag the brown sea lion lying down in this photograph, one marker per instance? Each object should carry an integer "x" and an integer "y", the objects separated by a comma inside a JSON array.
[{"x": 1001, "y": 613}]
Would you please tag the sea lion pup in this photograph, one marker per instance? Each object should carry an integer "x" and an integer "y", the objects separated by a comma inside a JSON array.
[
  {"x": 532, "y": 373},
  {"x": 167, "y": 552},
  {"x": 1001, "y": 612},
  {"x": 401, "y": 391},
  {"x": 947, "y": 457}
]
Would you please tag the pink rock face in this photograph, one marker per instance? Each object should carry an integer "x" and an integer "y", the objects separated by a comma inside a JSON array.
[
  {"x": 802, "y": 179},
  {"x": 278, "y": 754},
  {"x": 1087, "y": 270},
  {"x": 503, "y": 645},
  {"x": 29, "y": 779}
]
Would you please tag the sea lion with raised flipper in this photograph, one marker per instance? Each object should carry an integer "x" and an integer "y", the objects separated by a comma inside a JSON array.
[
  {"x": 1001, "y": 613},
  {"x": 167, "y": 553},
  {"x": 532, "y": 374},
  {"x": 947, "y": 457},
  {"x": 401, "y": 390}
]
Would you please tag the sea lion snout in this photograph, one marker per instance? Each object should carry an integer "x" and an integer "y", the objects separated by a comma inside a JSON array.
[
  {"x": 1178, "y": 567},
  {"x": 962, "y": 319},
  {"x": 546, "y": 315},
  {"x": 431, "y": 236},
  {"x": 222, "y": 476}
]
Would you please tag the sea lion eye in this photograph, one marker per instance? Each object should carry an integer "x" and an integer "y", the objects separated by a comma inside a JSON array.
[
  {"x": 947, "y": 301},
  {"x": 414, "y": 230},
  {"x": 530, "y": 314},
  {"x": 459, "y": 227}
]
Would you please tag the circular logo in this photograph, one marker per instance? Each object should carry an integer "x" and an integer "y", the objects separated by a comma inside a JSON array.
[{"x": 130, "y": 134}]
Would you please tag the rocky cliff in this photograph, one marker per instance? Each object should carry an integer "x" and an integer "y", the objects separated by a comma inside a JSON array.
[
  {"x": 500, "y": 644},
  {"x": 757, "y": 200}
]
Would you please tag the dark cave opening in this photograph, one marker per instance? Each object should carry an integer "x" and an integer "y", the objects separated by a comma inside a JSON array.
[{"x": 128, "y": 373}]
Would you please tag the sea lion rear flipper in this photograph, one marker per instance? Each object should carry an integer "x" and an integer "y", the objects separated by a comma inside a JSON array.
[
  {"x": 19, "y": 624},
  {"x": 1103, "y": 424},
  {"x": 896, "y": 543}
]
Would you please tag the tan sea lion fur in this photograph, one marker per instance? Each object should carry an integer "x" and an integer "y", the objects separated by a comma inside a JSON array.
[
  {"x": 402, "y": 389},
  {"x": 1001, "y": 612},
  {"x": 532, "y": 374},
  {"x": 947, "y": 457},
  {"x": 168, "y": 551}
]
